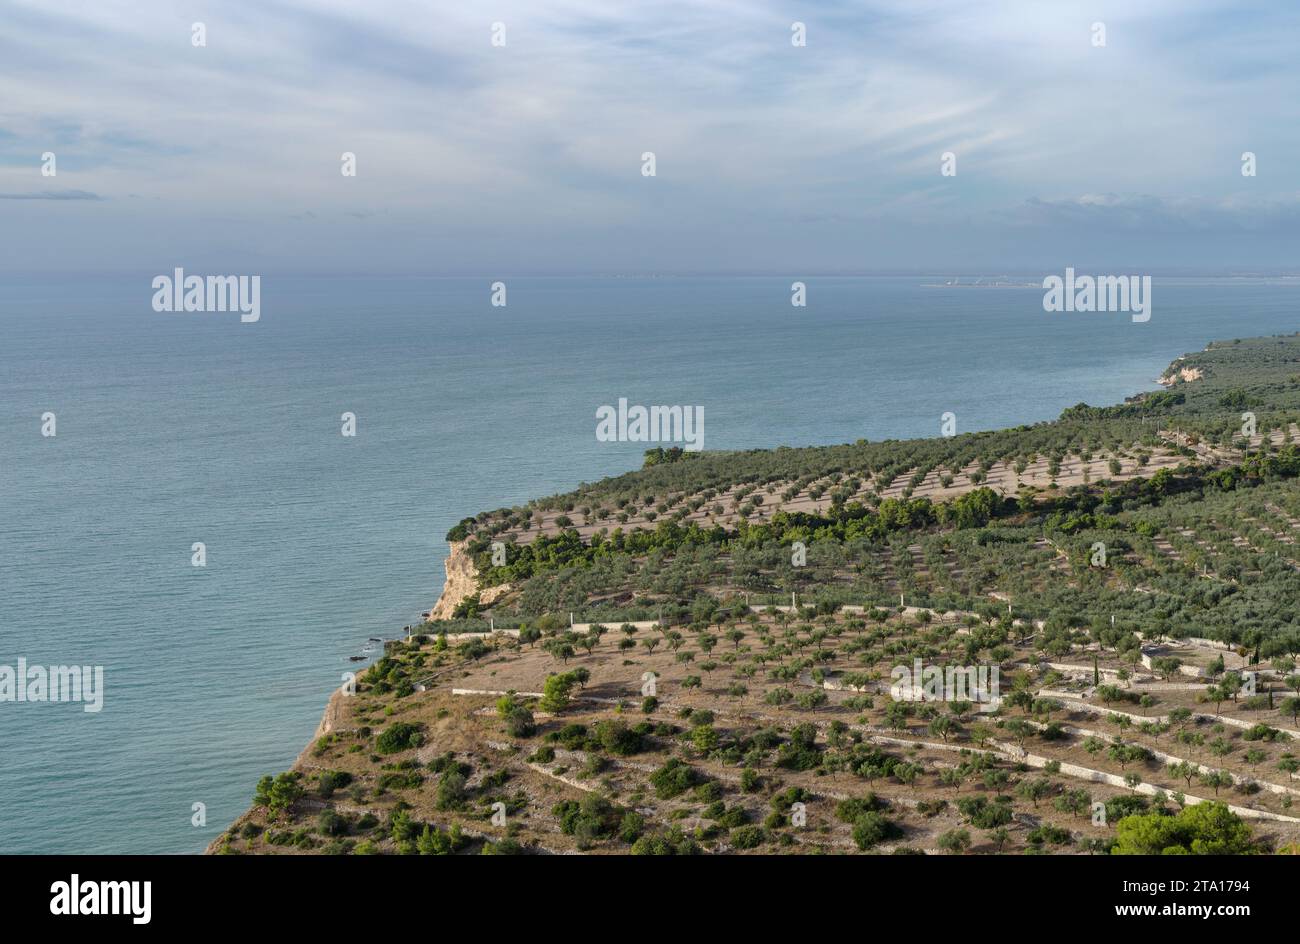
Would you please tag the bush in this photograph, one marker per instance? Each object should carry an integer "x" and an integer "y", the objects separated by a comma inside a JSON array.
[
  {"x": 748, "y": 837},
  {"x": 571, "y": 736},
  {"x": 331, "y": 780},
  {"x": 398, "y": 780},
  {"x": 401, "y": 736},
  {"x": 451, "y": 790},
  {"x": 850, "y": 810},
  {"x": 982, "y": 814},
  {"x": 871, "y": 828},
  {"x": 506, "y": 846},
  {"x": 1047, "y": 833},
  {"x": 278, "y": 794},
  {"x": 1261, "y": 732},
  {"x": 800, "y": 752},
  {"x": 631, "y": 827},
  {"x": 617, "y": 738},
  {"x": 709, "y": 791},
  {"x": 330, "y": 823},
  {"x": 589, "y": 819},
  {"x": 670, "y": 843},
  {"x": 433, "y": 841},
  {"x": 673, "y": 778},
  {"x": 520, "y": 723}
]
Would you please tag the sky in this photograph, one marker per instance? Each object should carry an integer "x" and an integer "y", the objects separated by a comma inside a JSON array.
[{"x": 770, "y": 158}]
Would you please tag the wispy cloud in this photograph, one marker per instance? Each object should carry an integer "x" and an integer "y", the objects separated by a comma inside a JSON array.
[
  {"x": 1145, "y": 212},
  {"x": 768, "y": 153},
  {"x": 52, "y": 195}
]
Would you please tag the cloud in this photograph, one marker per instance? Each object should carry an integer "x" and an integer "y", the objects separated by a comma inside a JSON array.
[
  {"x": 52, "y": 195},
  {"x": 1225, "y": 215},
  {"x": 470, "y": 153}
]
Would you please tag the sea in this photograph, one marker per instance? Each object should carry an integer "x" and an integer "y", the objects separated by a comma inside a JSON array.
[{"x": 174, "y": 429}]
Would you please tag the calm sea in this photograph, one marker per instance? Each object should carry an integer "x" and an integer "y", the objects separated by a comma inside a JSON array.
[{"x": 179, "y": 428}]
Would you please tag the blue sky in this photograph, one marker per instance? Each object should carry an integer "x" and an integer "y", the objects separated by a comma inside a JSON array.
[{"x": 522, "y": 159}]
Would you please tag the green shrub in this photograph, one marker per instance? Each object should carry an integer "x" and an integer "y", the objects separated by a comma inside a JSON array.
[
  {"x": 871, "y": 828},
  {"x": 674, "y": 778},
  {"x": 748, "y": 837},
  {"x": 400, "y": 736}
]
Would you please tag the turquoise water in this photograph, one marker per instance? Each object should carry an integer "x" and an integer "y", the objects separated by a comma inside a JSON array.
[{"x": 177, "y": 428}]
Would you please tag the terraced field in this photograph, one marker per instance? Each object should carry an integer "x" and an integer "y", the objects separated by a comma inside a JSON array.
[
  {"x": 705, "y": 655},
  {"x": 778, "y": 732}
]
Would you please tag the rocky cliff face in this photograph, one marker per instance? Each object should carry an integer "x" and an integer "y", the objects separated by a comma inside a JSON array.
[
  {"x": 462, "y": 581},
  {"x": 1176, "y": 373}
]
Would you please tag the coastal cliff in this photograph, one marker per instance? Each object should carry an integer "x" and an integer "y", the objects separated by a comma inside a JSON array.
[
  {"x": 462, "y": 579},
  {"x": 462, "y": 583},
  {"x": 1176, "y": 374}
]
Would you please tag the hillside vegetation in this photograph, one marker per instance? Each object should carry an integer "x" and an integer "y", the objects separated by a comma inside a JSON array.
[{"x": 1124, "y": 577}]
